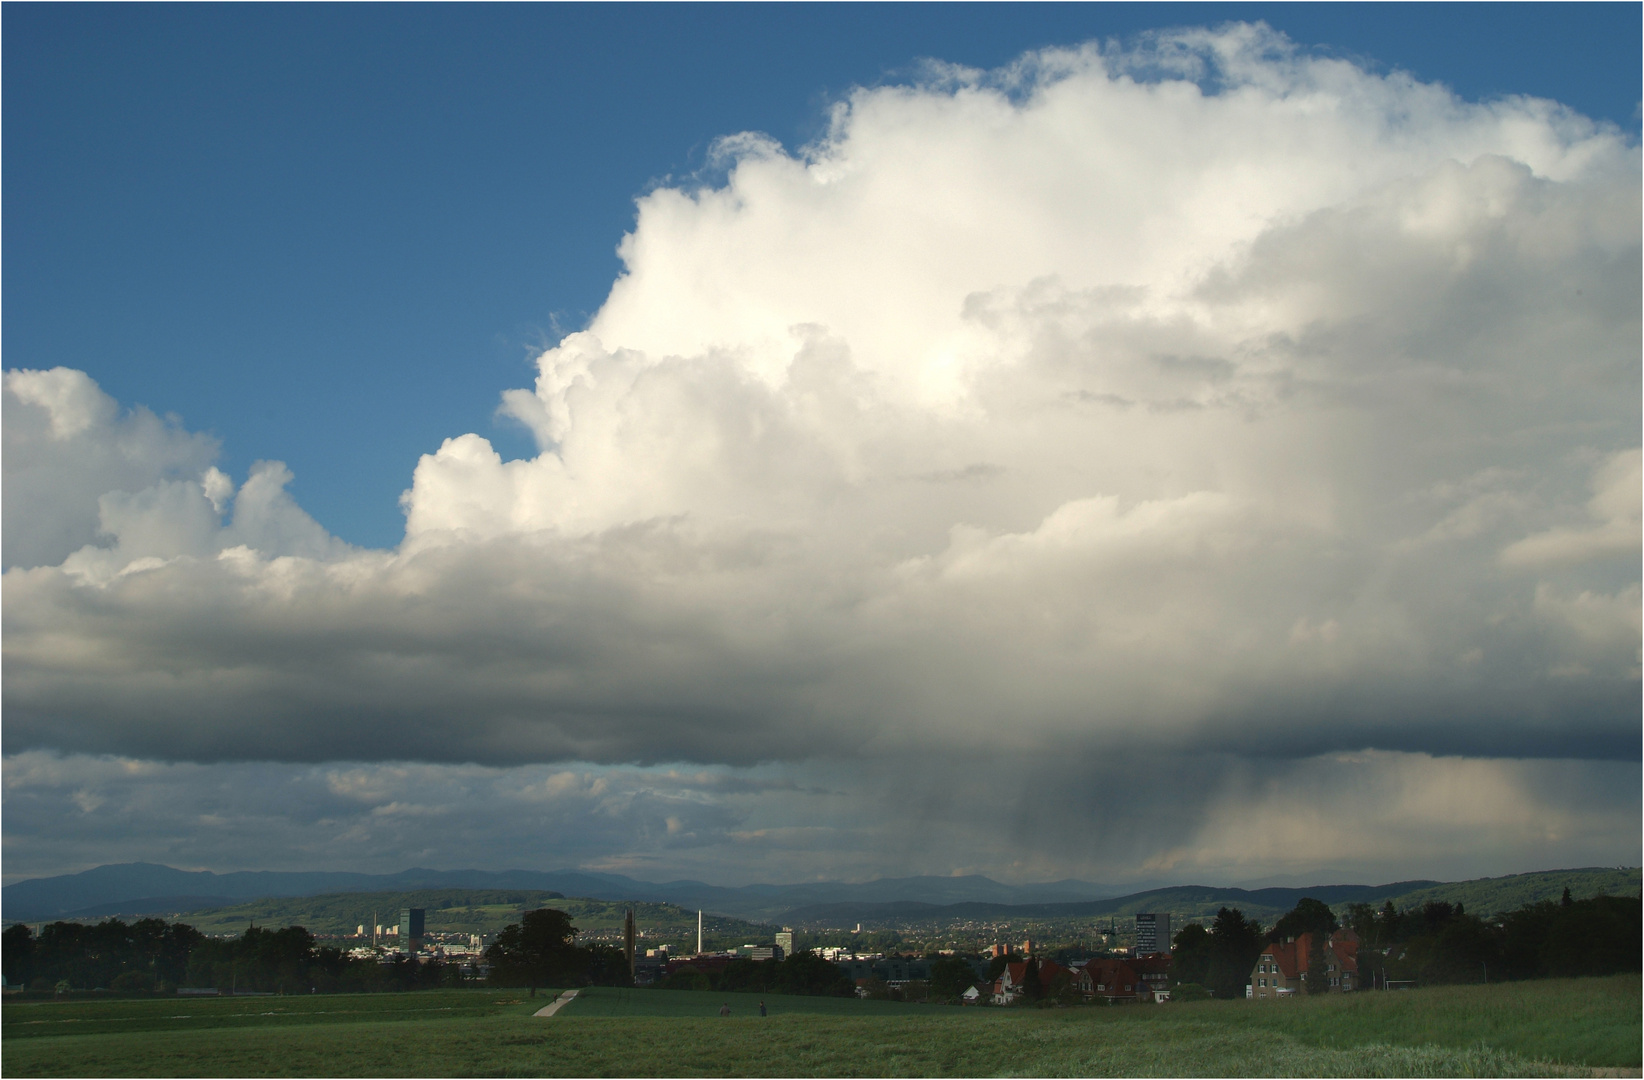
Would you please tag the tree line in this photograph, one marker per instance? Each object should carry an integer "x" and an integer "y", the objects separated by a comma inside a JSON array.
[
  {"x": 1437, "y": 943},
  {"x": 802, "y": 973},
  {"x": 151, "y": 956},
  {"x": 1443, "y": 943}
]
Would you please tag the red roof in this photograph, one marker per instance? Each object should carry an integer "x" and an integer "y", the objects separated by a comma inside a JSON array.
[
  {"x": 1048, "y": 969},
  {"x": 1151, "y": 964},
  {"x": 1114, "y": 976},
  {"x": 1291, "y": 956}
]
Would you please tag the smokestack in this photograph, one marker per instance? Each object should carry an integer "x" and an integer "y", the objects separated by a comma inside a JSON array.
[
  {"x": 628, "y": 941},
  {"x": 699, "y": 931}
]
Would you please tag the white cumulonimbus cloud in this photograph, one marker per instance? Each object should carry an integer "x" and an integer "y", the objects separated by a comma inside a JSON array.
[{"x": 1207, "y": 397}]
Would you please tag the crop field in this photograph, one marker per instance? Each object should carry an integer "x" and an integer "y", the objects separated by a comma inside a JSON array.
[{"x": 1550, "y": 1028}]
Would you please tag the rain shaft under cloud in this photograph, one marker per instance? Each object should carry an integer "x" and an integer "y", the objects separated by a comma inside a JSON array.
[{"x": 1203, "y": 403}]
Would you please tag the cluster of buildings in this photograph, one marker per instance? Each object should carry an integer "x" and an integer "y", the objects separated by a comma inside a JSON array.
[
  {"x": 410, "y": 937},
  {"x": 1139, "y": 974},
  {"x": 1282, "y": 969},
  {"x": 1114, "y": 980}
]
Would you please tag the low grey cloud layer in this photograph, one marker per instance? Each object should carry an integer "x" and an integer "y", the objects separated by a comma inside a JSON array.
[
  {"x": 1069, "y": 413},
  {"x": 1369, "y": 816}
]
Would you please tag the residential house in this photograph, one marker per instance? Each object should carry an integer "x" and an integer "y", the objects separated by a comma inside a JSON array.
[
  {"x": 1115, "y": 981},
  {"x": 1154, "y": 972},
  {"x": 1281, "y": 969},
  {"x": 1008, "y": 987}
]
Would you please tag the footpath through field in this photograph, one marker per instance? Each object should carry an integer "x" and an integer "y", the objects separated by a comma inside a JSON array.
[{"x": 556, "y": 1005}]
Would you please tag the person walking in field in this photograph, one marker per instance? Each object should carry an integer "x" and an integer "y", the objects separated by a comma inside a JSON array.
[
  {"x": 761, "y": 1008},
  {"x": 725, "y": 1009}
]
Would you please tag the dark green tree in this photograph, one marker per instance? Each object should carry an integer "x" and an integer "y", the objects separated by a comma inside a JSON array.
[
  {"x": 539, "y": 950},
  {"x": 808, "y": 974},
  {"x": 1235, "y": 942},
  {"x": 1309, "y": 916},
  {"x": 950, "y": 977},
  {"x": 17, "y": 957},
  {"x": 1190, "y": 957},
  {"x": 606, "y": 965},
  {"x": 1033, "y": 987},
  {"x": 1318, "y": 961}
]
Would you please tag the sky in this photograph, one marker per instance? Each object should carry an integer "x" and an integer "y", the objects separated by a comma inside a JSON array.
[{"x": 1138, "y": 443}]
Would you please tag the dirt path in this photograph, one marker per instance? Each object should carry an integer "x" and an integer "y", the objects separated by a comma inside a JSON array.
[{"x": 554, "y": 1006}]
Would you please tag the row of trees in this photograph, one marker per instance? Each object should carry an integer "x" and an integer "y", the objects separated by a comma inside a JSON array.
[
  {"x": 110, "y": 954},
  {"x": 1433, "y": 944},
  {"x": 800, "y": 973},
  {"x": 1442, "y": 943},
  {"x": 152, "y": 956}
]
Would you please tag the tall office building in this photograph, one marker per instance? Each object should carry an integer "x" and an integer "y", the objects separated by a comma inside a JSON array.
[
  {"x": 1152, "y": 933},
  {"x": 784, "y": 940},
  {"x": 411, "y": 927}
]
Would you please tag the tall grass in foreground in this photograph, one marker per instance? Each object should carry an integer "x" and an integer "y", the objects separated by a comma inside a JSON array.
[
  {"x": 781, "y": 1046},
  {"x": 1460, "y": 1031},
  {"x": 1578, "y": 1021}
]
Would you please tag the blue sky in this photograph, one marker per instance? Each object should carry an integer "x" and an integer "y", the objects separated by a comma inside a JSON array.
[
  {"x": 332, "y": 235},
  {"x": 1144, "y": 444}
]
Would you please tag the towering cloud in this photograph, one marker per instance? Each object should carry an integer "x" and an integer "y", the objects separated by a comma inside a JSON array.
[{"x": 1205, "y": 401}]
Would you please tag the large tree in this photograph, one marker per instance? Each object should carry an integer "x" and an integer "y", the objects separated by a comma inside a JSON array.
[
  {"x": 950, "y": 977},
  {"x": 1235, "y": 942},
  {"x": 1033, "y": 987},
  {"x": 1190, "y": 955},
  {"x": 1309, "y": 916},
  {"x": 539, "y": 950}
]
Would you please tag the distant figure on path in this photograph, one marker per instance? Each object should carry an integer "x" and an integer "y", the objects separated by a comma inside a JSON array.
[
  {"x": 725, "y": 1009},
  {"x": 761, "y": 1008}
]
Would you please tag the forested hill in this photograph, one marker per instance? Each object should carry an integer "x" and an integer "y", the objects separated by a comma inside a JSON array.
[
  {"x": 1489, "y": 896},
  {"x": 1484, "y": 896}
]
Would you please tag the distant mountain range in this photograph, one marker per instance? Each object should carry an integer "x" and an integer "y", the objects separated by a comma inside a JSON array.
[
  {"x": 1485, "y": 896},
  {"x": 143, "y": 888},
  {"x": 1185, "y": 901},
  {"x": 134, "y": 889}
]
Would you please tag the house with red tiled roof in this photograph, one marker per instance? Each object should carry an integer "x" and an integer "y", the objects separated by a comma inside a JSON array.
[
  {"x": 1113, "y": 980},
  {"x": 1154, "y": 972},
  {"x": 1282, "y": 968},
  {"x": 1008, "y": 987}
]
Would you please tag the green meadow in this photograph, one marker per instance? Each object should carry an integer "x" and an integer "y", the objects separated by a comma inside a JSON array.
[{"x": 1547, "y": 1028}]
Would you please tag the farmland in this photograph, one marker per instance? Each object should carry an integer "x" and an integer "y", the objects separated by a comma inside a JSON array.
[{"x": 1545, "y": 1028}]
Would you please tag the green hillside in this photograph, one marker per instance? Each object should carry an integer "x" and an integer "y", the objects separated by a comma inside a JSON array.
[{"x": 1487, "y": 896}]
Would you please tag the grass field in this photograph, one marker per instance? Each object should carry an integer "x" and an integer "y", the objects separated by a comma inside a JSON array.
[{"x": 1554, "y": 1028}]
